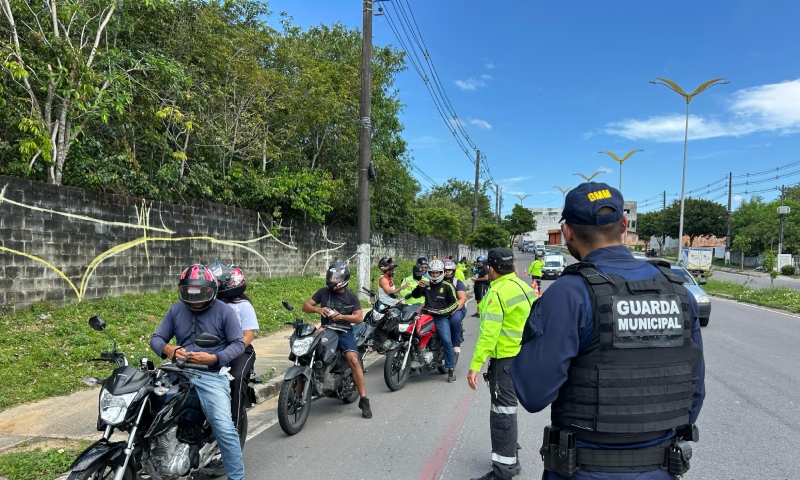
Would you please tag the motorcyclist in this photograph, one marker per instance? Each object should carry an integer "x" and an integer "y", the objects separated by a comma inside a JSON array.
[
  {"x": 481, "y": 279},
  {"x": 198, "y": 312},
  {"x": 423, "y": 262},
  {"x": 232, "y": 286},
  {"x": 457, "y": 317},
  {"x": 440, "y": 301},
  {"x": 387, "y": 292},
  {"x": 412, "y": 281},
  {"x": 338, "y": 306}
]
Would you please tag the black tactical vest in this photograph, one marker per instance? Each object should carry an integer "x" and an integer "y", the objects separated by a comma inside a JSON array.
[{"x": 635, "y": 380}]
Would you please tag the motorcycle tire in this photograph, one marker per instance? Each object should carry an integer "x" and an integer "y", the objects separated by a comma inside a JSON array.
[
  {"x": 394, "y": 378},
  {"x": 290, "y": 417},
  {"x": 103, "y": 470},
  {"x": 353, "y": 395}
]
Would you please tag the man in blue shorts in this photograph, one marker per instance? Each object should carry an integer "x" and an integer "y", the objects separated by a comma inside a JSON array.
[{"x": 340, "y": 307}]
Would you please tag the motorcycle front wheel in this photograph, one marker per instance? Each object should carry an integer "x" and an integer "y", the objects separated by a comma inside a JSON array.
[
  {"x": 103, "y": 470},
  {"x": 353, "y": 396},
  {"x": 292, "y": 407},
  {"x": 393, "y": 373}
]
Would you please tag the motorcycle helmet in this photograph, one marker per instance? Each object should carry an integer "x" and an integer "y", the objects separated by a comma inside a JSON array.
[
  {"x": 197, "y": 288},
  {"x": 417, "y": 272},
  {"x": 337, "y": 276},
  {"x": 236, "y": 284},
  {"x": 451, "y": 266},
  {"x": 422, "y": 260},
  {"x": 386, "y": 264},
  {"x": 222, "y": 271},
  {"x": 436, "y": 266},
  {"x": 480, "y": 260}
]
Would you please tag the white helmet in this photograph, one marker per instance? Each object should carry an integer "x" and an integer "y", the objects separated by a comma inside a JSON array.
[
  {"x": 450, "y": 265},
  {"x": 436, "y": 266}
]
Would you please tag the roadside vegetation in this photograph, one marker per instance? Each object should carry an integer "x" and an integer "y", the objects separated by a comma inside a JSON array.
[
  {"x": 47, "y": 347},
  {"x": 29, "y": 462},
  {"x": 781, "y": 298}
]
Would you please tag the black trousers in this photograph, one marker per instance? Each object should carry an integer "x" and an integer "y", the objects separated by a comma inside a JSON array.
[
  {"x": 241, "y": 367},
  {"x": 503, "y": 418},
  {"x": 480, "y": 291}
]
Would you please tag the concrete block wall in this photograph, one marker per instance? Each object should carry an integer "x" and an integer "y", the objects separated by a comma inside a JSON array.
[{"x": 63, "y": 244}]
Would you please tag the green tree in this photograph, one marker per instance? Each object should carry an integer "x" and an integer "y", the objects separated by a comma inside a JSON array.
[
  {"x": 741, "y": 244},
  {"x": 769, "y": 265},
  {"x": 488, "y": 235},
  {"x": 519, "y": 221},
  {"x": 702, "y": 218},
  {"x": 651, "y": 225}
]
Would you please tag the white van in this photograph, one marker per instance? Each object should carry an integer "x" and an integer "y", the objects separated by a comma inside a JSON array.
[{"x": 553, "y": 266}]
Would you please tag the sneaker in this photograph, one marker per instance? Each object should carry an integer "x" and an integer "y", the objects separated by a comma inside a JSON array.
[
  {"x": 476, "y": 315},
  {"x": 363, "y": 404},
  {"x": 488, "y": 476},
  {"x": 451, "y": 376},
  {"x": 216, "y": 468}
]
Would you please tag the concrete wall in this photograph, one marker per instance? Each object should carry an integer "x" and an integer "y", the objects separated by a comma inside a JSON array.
[{"x": 63, "y": 244}]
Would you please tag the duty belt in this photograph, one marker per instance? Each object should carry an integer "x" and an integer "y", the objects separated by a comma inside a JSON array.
[{"x": 561, "y": 455}]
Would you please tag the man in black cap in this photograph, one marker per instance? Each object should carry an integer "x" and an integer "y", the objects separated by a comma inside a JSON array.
[
  {"x": 503, "y": 311},
  {"x": 614, "y": 345}
]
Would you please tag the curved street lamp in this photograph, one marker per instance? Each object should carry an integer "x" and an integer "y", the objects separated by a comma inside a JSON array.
[
  {"x": 620, "y": 161},
  {"x": 688, "y": 97},
  {"x": 589, "y": 178},
  {"x": 521, "y": 198},
  {"x": 563, "y": 194}
]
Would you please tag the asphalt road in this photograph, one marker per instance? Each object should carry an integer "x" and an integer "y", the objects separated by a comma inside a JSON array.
[
  {"x": 750, "y": 424},
  {"x": 760, "y": 280}
]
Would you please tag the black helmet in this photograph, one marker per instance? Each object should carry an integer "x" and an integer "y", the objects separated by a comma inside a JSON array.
[
  {"x": 222, "y": 271},
  {"x": 417, "y": 272},
  {"x": 197, "y": 288},
  {"x": 337, "y": 276},
  {"x": 422, "y": 260},
  {"x": 386, "y": 264}
]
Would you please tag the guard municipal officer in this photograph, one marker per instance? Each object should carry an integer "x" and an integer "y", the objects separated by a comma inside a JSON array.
[
  {"x": 504, "y": 310},
  {"x": 615, "y": 346}
]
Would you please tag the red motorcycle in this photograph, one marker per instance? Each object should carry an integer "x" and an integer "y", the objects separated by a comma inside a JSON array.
[{"x": 419, "y": 349}]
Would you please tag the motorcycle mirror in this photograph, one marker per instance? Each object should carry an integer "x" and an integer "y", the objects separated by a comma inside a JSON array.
[
  {"x": 207, "y": 340},
  {"x": 97, "y": 323},
  {"x": 288, "y": 306}
]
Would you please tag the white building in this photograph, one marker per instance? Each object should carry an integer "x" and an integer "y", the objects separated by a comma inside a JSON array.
[{"x": 546, "y": 219}]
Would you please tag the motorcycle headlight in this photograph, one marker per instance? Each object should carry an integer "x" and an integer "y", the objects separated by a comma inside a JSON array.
[
  {"x": 300, "y": 346},
  {"x": 114, "y": 407},
  {"x": 404, "y": 327},
  {"x": 703, "y": 299}
]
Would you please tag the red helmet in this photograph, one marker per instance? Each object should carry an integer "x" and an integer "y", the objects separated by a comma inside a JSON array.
[
  {"x": 337, "y": 276},
  {"x": 236, "y": 285},
  {"x": 197, "y": 288}
]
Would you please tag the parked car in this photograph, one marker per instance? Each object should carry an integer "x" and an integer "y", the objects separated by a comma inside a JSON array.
[
  {"x": 553, "y": 266},
  {"x": 693, "y": 285}
]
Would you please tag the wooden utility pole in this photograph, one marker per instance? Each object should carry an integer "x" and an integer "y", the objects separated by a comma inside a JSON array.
[
  {"x": 363, "y": 249},
  {"x": 475, "y": 196}
]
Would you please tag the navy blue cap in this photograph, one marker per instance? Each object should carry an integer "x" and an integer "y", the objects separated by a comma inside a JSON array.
[
  {"x": 500, "y": 257},
  {"x": 583, "y": 202}
]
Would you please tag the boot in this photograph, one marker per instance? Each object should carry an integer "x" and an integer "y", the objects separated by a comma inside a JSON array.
[
  {"x": 451, "y": 376},
  {"x": 363, "y": 404}
]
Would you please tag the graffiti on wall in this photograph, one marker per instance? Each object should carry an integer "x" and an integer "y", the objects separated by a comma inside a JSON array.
[{"x": 149, "y": 234}]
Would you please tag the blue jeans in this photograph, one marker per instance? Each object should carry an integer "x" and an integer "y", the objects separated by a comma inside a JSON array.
[
  {"x": 443, "y": 329},
  {"x": 455, "y": 326},
  {"x": 214, "y": 392}
]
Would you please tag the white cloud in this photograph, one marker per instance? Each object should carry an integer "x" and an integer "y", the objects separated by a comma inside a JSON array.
[
  {"x": 470, "y": 84},
  {"x": 481, "y": 123},
  {"x": 486, "y": 77},
  {"x": 489, "y": 65},
  {"x": 514, "y": 180},
  {"x": 765, "y": 108},
  {"x": 737, "y": 198},
  {"x": 604, "y": 170},
  {"x": 455, "y": 122}
]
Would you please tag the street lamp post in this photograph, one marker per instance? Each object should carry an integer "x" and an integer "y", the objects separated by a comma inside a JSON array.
[
  {"x": 620, "y": 161},
  {"x": 688, "y": 97},
  {"x": 521, "y": 198},
  {"x": 589, "y": 178},
  {"x": 563, "y": 195}
]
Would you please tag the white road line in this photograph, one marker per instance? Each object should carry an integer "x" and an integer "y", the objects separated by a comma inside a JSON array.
[{"x": 772, "y": 310}]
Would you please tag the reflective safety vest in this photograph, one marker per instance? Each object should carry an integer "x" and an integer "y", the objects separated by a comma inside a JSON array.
[
  {"x": 635, "y": 380},
  {"x": 535, "y": 270},
  {"x": 504, "y": 311},
  {"x": 460, "y": 273},
  {"x": 412, "y": 285}
]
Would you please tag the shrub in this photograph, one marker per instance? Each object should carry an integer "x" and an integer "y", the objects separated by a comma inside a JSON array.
[{"x": 788, "y": 270}]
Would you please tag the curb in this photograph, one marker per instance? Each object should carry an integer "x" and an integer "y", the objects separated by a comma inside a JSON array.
[{"x": 269, "y": 389}]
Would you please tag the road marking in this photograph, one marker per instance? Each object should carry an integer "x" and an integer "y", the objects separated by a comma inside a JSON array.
[
  {"x": 433, "y": 466},
  {"x": 772, "y": 310}
]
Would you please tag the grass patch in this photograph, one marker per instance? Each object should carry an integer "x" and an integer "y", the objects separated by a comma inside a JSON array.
[
  {"x": 45, "y": 358},
  {"x": 39, "y": 464},
  {"x": 781, "y": 298}
]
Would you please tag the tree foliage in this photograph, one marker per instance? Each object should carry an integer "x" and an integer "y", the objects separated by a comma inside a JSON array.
[
  {"x": 519, "y": 221},
  {"x": 188, "y": 99},
  {"x": 489, "y": 235},
  {"x": 702, "y": 218},
  {"x": 741, "y": 244},
  {"x": 651, "y": 225},
  {"x": 759, "y": 221}
]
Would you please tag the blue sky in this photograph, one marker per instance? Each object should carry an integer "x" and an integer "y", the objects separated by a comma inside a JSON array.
[{"x": 541, "y": 87}]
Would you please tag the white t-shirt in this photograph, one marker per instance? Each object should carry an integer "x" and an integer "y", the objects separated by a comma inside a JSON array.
[{"x": 246, "y": 313}]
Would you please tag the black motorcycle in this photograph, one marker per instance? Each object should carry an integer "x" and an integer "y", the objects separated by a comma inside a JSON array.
[
  {"x": 320, "y": 370},
  {"x": 168, "y": 435}
]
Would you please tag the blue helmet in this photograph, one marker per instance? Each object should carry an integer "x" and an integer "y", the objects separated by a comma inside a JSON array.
[{"x": 481, "y": 259}]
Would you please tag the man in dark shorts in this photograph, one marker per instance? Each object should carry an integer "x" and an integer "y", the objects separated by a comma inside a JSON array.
[
  {"x": 481, "y": 280},
  {"x": 341, "y": 308}
]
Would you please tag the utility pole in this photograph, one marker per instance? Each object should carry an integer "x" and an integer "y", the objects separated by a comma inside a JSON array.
[
  {"x": 663, "y": 235},
  {"x": 782, "y": 210},
  {"x": 475, "y": 199},
  {"x": 497, "y": 202},
  {"x": 363, "y": 249},
  {"x": 730, "y": 213}
]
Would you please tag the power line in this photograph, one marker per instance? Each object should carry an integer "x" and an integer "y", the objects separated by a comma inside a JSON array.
[{"x": 781, "y": 167}]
